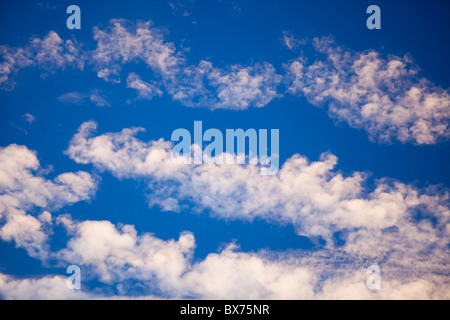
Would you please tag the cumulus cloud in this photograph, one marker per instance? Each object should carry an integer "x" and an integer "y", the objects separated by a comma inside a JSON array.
[
  {"x": 234, "y": 87},
  {"x": 290, "y": 41},
  {"x": 400, "y": 228},
  {"x": 384, "y": 96},
  {"x": 45, "y": 288},
  {"x": 117, "y": 255},
  {"x": 22, "y": 190}
]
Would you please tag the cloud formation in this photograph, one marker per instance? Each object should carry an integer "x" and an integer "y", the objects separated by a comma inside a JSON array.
[
  {"x": 384, "y": 96},
  {"x": 236, "y": 87},
  {"x": 313, "y": 197},
  {"x": 126, "y": 42},
  {"x": 48, "y": 54},
  {"x": 132, "y": 262},
  {"x": 23, "y": 190},
  {"x": 145, "y": 90},
  {"x": 400, "y": 228}
]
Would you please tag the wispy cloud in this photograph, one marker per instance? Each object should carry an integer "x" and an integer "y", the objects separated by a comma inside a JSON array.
[
  {"x": 48, "y": 54},
  {"x": 145, "y": 90},
  {"x": 27, "y": 117},
  {"x": 80, "y": 98},
  {"x": 391, "y": 226},
  {"x": 182, "y": 7}
]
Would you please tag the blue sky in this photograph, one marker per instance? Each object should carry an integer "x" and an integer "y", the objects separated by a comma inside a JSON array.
[{"x": 363, "y": 119}]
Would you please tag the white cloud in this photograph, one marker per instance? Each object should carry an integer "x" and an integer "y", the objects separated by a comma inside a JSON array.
[
  {"x": 313, "y": 197},
  {"x": 73, "y": 98},
  {"x": 393, "y": 224},
  {"x": 126, "y": 42},
  {"x": 385, "y": 97},
  {"x": 145, "y": 90},
  {"x": 235, "y": 87},
  {"x": 49, "y": 54},
  {"x": 119, "y": 254},
  {"x": 379, "y": 227},
  {"x": 22, "y": 190},
  {"x": 45, "y": 288}
]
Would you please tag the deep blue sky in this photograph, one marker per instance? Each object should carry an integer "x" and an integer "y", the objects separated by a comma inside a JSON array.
[{"x": 222, "y": 33}]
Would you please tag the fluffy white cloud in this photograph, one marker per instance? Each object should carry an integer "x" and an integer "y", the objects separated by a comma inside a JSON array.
[
  {"x": 385, "y": 97},
  {"x": 315, "y": 199},
  {"x": 392, "y": 224},
  {"x": 45, "y": 288},
  {"x": 22, "y": 190},
  {"x": 118, "y": 254}
]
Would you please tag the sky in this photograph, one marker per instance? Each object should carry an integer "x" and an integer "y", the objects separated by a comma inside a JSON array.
[{"x": 87, "y": 177}]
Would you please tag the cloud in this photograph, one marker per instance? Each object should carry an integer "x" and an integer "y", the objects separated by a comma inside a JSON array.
[
  {"x": 403, "y": 229},
  {"x": 311, "y": 195},
  {"x": 118, "y": 256},
  {"x": 45, "y": 288},
  {"x": 383, "y": 96},
  {"x": 400, "y": 228},
  {"x": 21, "y": 190},
  {"x": 145, "y": 90},
  {"x": 235, "y": 87},
  {"x": 27, "y": 117},
  {"x": 49, "y": 54},
  {"x": 391, "y": 224},
  {"x": 80, "y": 98},
  {"x": 291, "y": 42},
  {"x": 98, "y": 100},
  {"x": 126, "y": 42}
]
